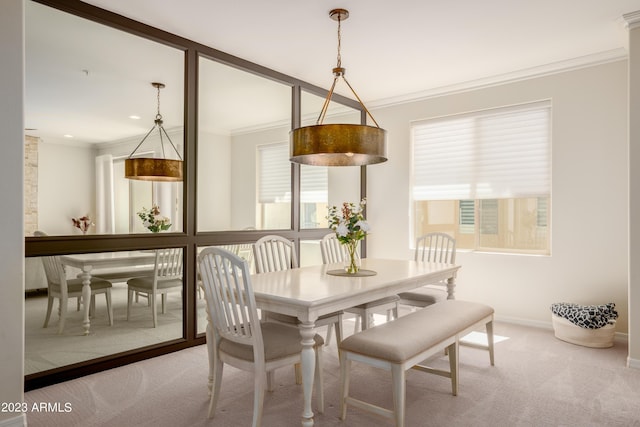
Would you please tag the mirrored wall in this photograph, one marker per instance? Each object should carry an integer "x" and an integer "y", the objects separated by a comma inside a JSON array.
[
  {"x": 244, "y": 173},
  {"x": 121, "y": 314},
  {"x": 89, "y": 103}
]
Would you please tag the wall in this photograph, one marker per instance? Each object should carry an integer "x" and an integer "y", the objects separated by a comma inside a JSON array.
[
  {"x": 214, "y": 182},
  {"x": 11, "y": 227},
  {"x": 588, "y": 262},
  {"x": 66, "y": 186}
]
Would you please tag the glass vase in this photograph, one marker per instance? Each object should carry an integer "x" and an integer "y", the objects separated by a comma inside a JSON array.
[{"x": 352, "y": 258}]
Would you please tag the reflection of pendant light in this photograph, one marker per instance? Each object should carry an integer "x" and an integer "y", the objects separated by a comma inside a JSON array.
[
  {"x": 339, "y": 144},
  {"x": 152, "y": 169}
]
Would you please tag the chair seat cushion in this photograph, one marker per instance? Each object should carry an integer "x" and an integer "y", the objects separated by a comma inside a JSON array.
[
  {"x": 426, "y": 294},
  {"x": 147, "y": 283},
  {"x": 75, "y": 285},
  {"x": 279, "y": 341},
  {"x": 410, "y": 335}
]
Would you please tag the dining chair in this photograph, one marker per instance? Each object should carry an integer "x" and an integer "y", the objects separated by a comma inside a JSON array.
[
  {"x": 333, "y": 252},
  {"x": 276, "y": 253},
  {"x": 431, "y": 247},
  {"x": 236, "y": 336},
  {"x": 167, "y": 277},
  {"x": 58, "y": 286}
]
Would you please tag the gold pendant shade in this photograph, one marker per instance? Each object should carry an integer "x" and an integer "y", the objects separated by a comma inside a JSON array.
[
  {"x": 151, "y": 168},
  {"x": 338, "y": 144}
]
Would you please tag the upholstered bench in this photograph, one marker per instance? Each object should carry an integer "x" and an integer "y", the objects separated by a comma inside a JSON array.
[{"x": 403, "y": 343}]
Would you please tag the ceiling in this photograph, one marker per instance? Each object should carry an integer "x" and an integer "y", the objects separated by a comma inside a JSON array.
[{"x": 392, "y": 51}]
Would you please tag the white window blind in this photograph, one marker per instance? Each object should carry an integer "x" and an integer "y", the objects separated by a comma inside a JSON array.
[
  {"x": 274, "y": 173},
  {"x": 274, "y": 179},
  {"x": 498, "y": 153},
  {"x": 314, "y": 183}
]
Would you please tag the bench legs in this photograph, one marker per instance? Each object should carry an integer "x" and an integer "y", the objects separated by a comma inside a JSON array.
[{"x": 398, "y": 380}]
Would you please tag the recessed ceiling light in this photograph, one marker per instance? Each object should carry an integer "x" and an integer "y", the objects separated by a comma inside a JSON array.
[
  {"x": 68, "y": 136},
  {"x": 134, "y": 117}
]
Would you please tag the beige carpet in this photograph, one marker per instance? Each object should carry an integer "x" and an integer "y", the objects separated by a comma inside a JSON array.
[{"x": 537, "y": 381}]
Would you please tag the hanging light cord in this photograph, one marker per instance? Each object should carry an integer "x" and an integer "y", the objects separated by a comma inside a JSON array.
[
  {"x": 338, "y": 72},
  {"x": 158, "y": 124}
]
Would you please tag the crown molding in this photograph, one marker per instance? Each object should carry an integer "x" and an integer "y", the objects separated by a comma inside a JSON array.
[
  {"x": 632, "y": 19},
  {"x": 600, "y": 58}
]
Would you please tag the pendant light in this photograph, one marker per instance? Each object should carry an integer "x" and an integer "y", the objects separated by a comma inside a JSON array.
[
  {"x": 338, "y": 144},
  {"x": 154, "y": 169}
]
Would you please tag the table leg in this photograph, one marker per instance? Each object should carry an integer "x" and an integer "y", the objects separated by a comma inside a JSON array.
[
  {"x": 308, "y": 363},
  {"x": 86, "y": 297},
  {"x": 451, "y": 286}
]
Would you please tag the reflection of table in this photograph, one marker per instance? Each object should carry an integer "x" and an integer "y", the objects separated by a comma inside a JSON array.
[
  {"x": 309, "y": 293},
  {"x": 88, "y": 262}
]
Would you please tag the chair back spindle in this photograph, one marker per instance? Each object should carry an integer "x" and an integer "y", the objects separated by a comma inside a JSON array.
[
  {"x": 274, "y": 253},
  {"x": 230, "y": 300},
  {"x": 331, "y": 249},
  {"x": 436, "y": 247}
]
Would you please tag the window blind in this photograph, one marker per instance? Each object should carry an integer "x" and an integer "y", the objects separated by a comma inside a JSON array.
[
  {"x": 274, "y": 173},
  {"x": 314, "y": 183},
  {"x": 274, "y": 177},
  {"x": 498, "y": 153}
]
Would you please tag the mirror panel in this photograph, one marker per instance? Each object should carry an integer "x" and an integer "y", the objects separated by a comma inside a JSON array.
[
  {"x": 51, "y": 347},
  {"x": 89, "y": 102},
  {"x": 243, "y": 167}
]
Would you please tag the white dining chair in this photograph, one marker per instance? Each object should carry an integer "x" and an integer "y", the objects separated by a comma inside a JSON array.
[
  {"x": 236, "y": 336},
  {"x": 276, "y": 253},
  {"x": 58, "y": 286},
  {"x": 431, "y": 247},
  {"x": 166, "y": 277},
  {"x": 333, "y": 252}
]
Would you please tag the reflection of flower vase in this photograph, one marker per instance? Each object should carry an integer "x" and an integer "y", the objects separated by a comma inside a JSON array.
[{"x": 352, "y": 260}]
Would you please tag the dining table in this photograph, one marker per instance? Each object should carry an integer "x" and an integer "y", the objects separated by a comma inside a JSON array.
[
  {"x": 90, "y": 263},
  {"x": 312, "y": 291}
]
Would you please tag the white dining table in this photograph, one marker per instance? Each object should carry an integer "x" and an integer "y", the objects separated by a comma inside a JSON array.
[
  {"x": 87, "y": 263},
  {"x": 309, "y": 292}
]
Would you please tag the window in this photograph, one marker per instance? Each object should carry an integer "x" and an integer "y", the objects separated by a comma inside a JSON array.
[
  {"x": 484, "y": 177},
  {"x": 274, "y": 189},
  {"x": 274, "y": 186},
  {"x": 314, "y": 189}
]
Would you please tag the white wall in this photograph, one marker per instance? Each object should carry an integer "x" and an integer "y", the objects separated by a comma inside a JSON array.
[
  {"x": 11, "y": 227},
  {"x": 588, "y": 263},
  {"x": 214, "y": 182},
  {"x": 66, "y": 186}
]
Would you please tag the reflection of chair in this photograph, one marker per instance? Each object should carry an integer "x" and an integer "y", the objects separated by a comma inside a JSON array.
[
  {"x": 432, "y": 247},
  {"x": 235, "y": 334},
  {"x": 275, "y": 253},
  {"x": 333, "y": 252},
  {"x": 62, "y": 288},
  {"x": 167, "y": 277}
]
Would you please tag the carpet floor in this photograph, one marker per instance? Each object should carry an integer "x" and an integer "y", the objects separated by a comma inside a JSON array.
[{"x": 538, "y": 380}]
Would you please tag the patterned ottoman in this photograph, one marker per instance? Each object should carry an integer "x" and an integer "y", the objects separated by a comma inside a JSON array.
[{"x": 586, "y": 325}]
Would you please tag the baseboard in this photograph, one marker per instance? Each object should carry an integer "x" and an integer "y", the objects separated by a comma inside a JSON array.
[
  {"x": 525, "y": 322},
  {"x": 633, "y": 363},
  {"x": 620, "y": 337},
  {"x": 18, "y": 421}
]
